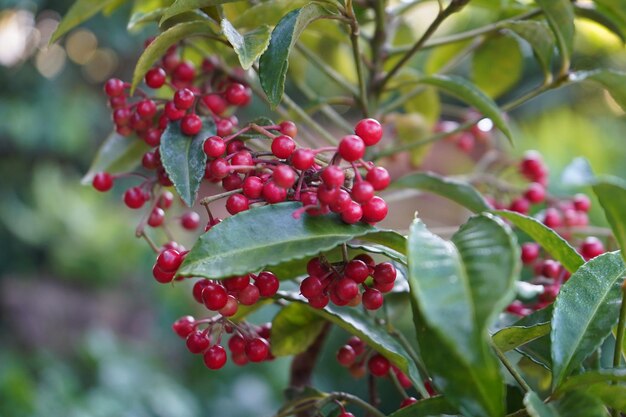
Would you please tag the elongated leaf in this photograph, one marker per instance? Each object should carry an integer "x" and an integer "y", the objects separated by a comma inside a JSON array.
[
  {"x": 161, "y": 43},
  {"x": 182, "y": 6},
  {"x": 183, "y": 158},
  {"x": 497, "y": 65},
  {"x": 580, "y": 404},
  {"x": 78, "y": 13},
  {"x": 554, "y": 244},
  {"x": 603, "y": 17},
  {"x": 585, "y": 310},
  {"x": 249, "y": 46},
  {"x": 615, "y": 11},
  {"x": 266, "y": 13},
  {"x": 612, "y": 197},
  {"x": 537, "y": 408},
  {"x": 433, "y": 406},
  {"x": 457, "y": 288},
  {"x": 274, "y": 62},
  {"x": 560, "y": 16},
  {"x": 514, "y": 336},
  {"x": 388, "y": 238},
  {"x": 356, "y": 322},
  {"x": 457, "y": 191},
  {"x": 538, "y": 351},
  {"x": 613, "y": 396},
  {"x": 469, "y": 93},
  {"x": 137, "y": 19},
  {"x": 591, "y": 377},
  {"x": 116, "y": 155},
  {"x": 294, "y": 329},
  {"x": 613, "y": 81},
  {"x": 538, "y": 36},
  {"x": 263, "y": 237}
]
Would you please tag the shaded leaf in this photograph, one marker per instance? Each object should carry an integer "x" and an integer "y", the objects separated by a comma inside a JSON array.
[
  {"x": 585, "y": 311},
  {"x": 182, "y": 6},
  {"x": 560, "y": 16},
  {"x": 497, "y": 65},
  {"x": 219, "y": 253},
  {"x": 294, "y": 329},
  {"x": 457, "y": 289},
  {"x": 538, "y": 36},
  {"x": 249, "y": 46},
  {"x": 469, "y": 93},
  {"x": 579, "y": 404},
  {"x": 457, "y": 191},
  {"x": 118, "y": 154},
  {"x": 538, "y": 351},
  {"x": 184, "y": 159},
  {"x": 274, "y": 62},
  {"x": 613, "y": 81},
  {"x": 139, "y": 18},
  {"x": 612, "y": 197},
  {"x": 537, "y": 408},
  {"x": 514, "y": 336},
  {"x": 433, "y": 406},
  {"x": 613, "y": 396},
  {"x": 79, "y": 12},
  {"x": 591, "y": 377},
  {"x": 549, "y": 240},
  {"x": 604, "y": 17},
  {"x": 268, "y": 13}
]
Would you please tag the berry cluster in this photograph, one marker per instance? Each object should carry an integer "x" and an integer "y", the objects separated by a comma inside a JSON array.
[
  {"x": 247, "y": 343},
  {"x": 340, "y": 282},
  {"x": 466, "y": 140}
]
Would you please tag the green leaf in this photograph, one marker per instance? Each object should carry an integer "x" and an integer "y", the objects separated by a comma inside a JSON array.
[
  {"x": 613, "y": 396},
  {"x": 457, "y": 289},
  {"x": 612, "y": 197},
  {"x": 182, "y": 6},
  {"x": 469, "y": 93},
  {"x": 249, "y": 46},
  {"x": 537, "y": 408},
  {"x": 274, "y": 62},
  {"x": 585, "y": 310},
  {"x": 546, "y": 237},
  {"x": 497, "y": 65},
  {"x": 433, "y": 406},
  {"x": 118, "y": 154},
  {"x": 514, "y": 336},
  {"x": 268, "y": 13},
  {"x": 538, "y": 351},
  {"x": 589, "y": 378},
  {"x": 161, "y": 43},
  {"x": 79, "y": 12},
  {"x": 613, "y": 81},
  {"x": 294, "y": 329},
  {"x": 560, "y": 16},
  {"x": 579, "y": 404},
  {"x": 603, "y": 17},
  {"x": 356, "y": 322},
  {"x": 457, "y": 191},
  {"x": 183, "y": 158},
  {"x": 267, "y": 236},
  {"x": 137, "y": 19},
  {"x": 538, "y": 36}
]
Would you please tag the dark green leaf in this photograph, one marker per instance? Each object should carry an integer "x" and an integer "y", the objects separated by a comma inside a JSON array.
[
  {"x": 554, "y": 244},
  {"x": 612, "y": 197},
  {"x": 514, "y": 336},
  {"x": 457, "y": 289},
  {"x": 294, "y": 329},
  {"x": 274, "y": 62},
  {"x": 591, "y": 377},
  {"x": 267, "y": 236},
  {"x": 183, "y": 158},
  {"x": 560, "y": 16},
  {"x": 161, "y": 43},
  {"x": 118, "y": 154},
  {"x": 538, "y": 351},
  {"x": 182, "y": 6},
  {"x": 79, "y": 12},
  {"x": 579, "y": 404},
  {"x": 537, "y": 408},
  {"x": 613, "y": 396},
  {"x": 613, "y": 81},
  {"x": 139, "y": 18},
  {"x": 585, "y": 310},
  {"x": 249, "y": 46},
  {"x": 266, "y": 13},
  {"x": 497, "y": 65},
  {"x": 469, "y": 93},
  {"x": 457, "y": 191},
  {"x": 538, "y": 36},
  {"x": 433, "y": 406}
]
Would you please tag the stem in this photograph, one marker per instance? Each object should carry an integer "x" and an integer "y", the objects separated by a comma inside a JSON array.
[
  {"x": 420, "y": 366},
  {"x": 208, "y": 200},
  {"x": 356, "y": 53},
  {"x": 309, "y": 120},
  {"x": 396, "y": 384},
  {"x": 509, "y": 366},
  {"x": 619, "y": 338},
  {"x": 327, "y": 70},
  {"x": 326, "y": 110},
  {"x": 154, "y": 247}
]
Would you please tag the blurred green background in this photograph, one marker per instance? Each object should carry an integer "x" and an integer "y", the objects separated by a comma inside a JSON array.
[{"x": 84, "y": 330}]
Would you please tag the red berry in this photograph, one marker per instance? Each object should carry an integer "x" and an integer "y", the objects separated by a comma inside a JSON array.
[
  {"x": 267, "y": 283},
  {"x": 372, "y": 299},
  {"x": 224, "y": 127},
  {"x": 408, "y": 401},
  {"x": 327, "y": 195},
  {"x": 191, "y": 124},
  {"x": 284, "y": 176},
  {"x": 235, "y": 146},
  {"x": 215, "y": 357},
  {"x": 341, "y": 202},
  {"x": 161, "y": 275},
  {"x": 302, "y": 159},
  {"x": 184, "y": 72},
  {"x": 283, "y": 146},
  {"x": 520, "y": 205},
  {"x": 311, "y": 287},
  {"x": 552, "y": 218},
  {"x": 134, "y": 198},
  {"x": 369, "y": 130},
  {"x": 316, "y": 268},
  {"x": 237, "y": 344},
  {"x": 152, "y": 137},
  {"x": 362, "y": 192},
  {"x": 236, "y": 283},
  {"x": 172, "y": 112},
  {"x": 352, "y": 214},
  {"x": 157, "y": 215},
  {"x": 357, "y": 270},
  {"x": 346, "y": 355},
  {"x": 249, "y": 295},
  {"x": 169, "y": 260},
  {"x": 379, "y": 178},
  {"x": 581, "y": 202},
  {"x": 530, "y": 252},
  {"x": 219, "y": 168},
  {"x": 384, "y": 287},
  {"x": 550, "y": 268},
  {"x": 197, "y": 342},
  {"x": 237, "y": 94},
  {"x": 591, "y": 247},
  {"x": 232, "y": 182},
  {"x": 114, "y": 87},
  {"x": 146, "y": 109},
  {"x": 165, "y": 200},
  {"x": 252, "y": 187},
  {"x": 357, "y": 344},
  {"x": 385, "y": 273},
  {"x": 378, "y": 365},
  {"x": 155, "y": 77},
  {"x": 214, "y": 296},
  {"x": 535, "y": 193},
  {"x": 532, "y": 166},
  {"x": 121, "y": 117},
  {"x": 214, "y": 147},
  {"x": 345, "y": 414},
  {"x": 215, "y": 103},
  {"x": 196, "y": 291},
  {"x": 184, "y": 98},
  {"x": 190, "y": 220},
  {"x": 333, "y": 176},
  {"x": 346, "y": 289},
  {"x": 319, "y": 302},
  {"x": 288, "y": 128},
  {"x": 243, "y": 158},
  {"x": 184, "y": 326},
  {"x": 351, "y": 148},
  {"x": 374, "y": 210},
  {"x": 257, "y": 349},
  {"x": 237, "y": 203},
  {"x": 465, "y": 141},
  {"x": 273, "y": 194},
  {"x": 231, "y": 307},
  {"x": 102, "y": 181}
]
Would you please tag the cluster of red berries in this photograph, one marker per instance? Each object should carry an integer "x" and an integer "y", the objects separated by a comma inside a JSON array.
[
  {"x": 341, "y": 283},
  {"x": 466, "y": 140},
  {"x": 247, "y": 343}
]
